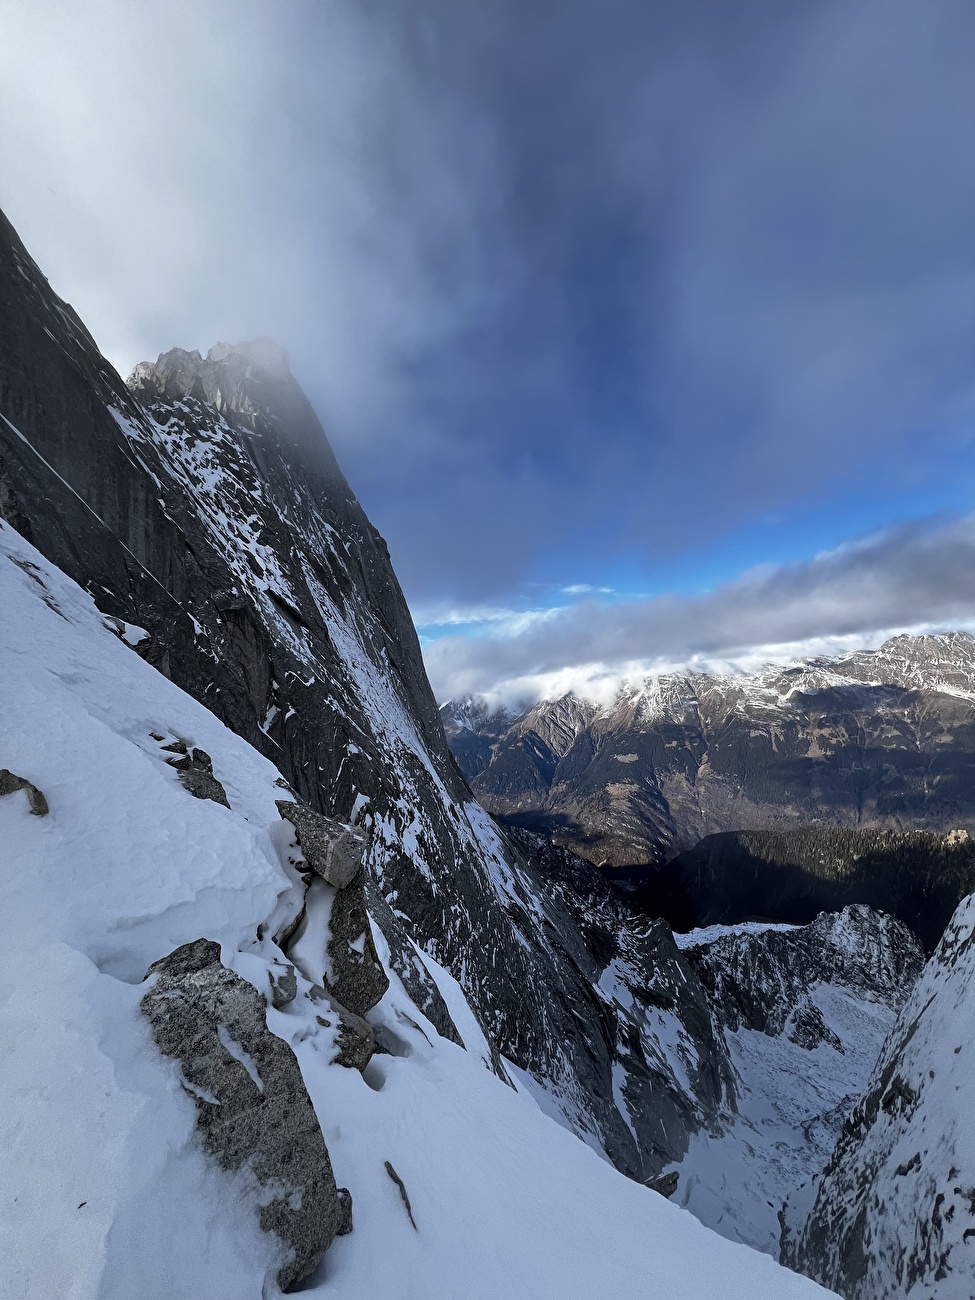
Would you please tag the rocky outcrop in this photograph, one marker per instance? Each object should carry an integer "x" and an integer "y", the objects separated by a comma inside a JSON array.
[
  {"x": 893, "y": 1213},
  {"x": 881, "y": 738},
  {"x": 403, "y": 958},
  {"x": 332, "y": 850},
  {"x": 195, "y": 769},
  {"x": 254, "y": 1115},
  {"x": 792, "y": 876},
  {"x": 10, "y": 784},
  {"x": 355, "y": 974}
]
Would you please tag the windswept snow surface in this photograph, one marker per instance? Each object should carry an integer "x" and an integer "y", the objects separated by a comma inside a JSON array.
[{"x": 105, "y": 1194}]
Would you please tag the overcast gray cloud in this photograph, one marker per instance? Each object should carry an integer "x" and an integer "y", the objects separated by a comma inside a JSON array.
[
  {"x": 920, "y": 575},
  {"x": 571, "y": 283}
]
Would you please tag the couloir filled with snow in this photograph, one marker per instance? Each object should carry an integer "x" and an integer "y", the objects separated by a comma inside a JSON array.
[{"x": 106, "y": 1193}]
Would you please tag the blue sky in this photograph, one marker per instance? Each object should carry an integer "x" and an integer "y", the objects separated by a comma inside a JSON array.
[{"x": 623, "y": 295}]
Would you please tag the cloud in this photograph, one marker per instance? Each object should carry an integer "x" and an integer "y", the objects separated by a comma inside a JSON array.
[
  {"x": 853, "y": 596},
  {"x": 567, "y": 282},
  {"x": 434, "y": 616}
]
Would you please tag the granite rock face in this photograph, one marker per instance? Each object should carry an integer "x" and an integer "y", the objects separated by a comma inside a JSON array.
[
  {"x": 893, "y": 1212},
  {"x": 881, "y": 738},
  {"x": 202, "y": 504},
  {"x": 253, "y": 1113}
]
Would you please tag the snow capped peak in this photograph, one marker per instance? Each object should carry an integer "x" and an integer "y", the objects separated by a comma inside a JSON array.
[
  {"x": 250, "y": 381},
  {"x": 943, "y": 661},
  {"x": 470, "y": 712}
]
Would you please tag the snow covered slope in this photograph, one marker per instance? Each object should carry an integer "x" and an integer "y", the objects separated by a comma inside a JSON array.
[
  {"x": 893, "y": 1214},
  {"x": 460, "y": 1186}
]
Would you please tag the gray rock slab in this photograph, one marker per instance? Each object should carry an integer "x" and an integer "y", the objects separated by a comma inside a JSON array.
[
  {"x": 332, "y": 850},
  {"x": 357, "y": 979},
  {"x": 254, "y": 1115}
]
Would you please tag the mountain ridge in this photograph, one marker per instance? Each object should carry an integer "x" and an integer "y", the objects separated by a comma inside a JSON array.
[{"x": 881, "y": 738}]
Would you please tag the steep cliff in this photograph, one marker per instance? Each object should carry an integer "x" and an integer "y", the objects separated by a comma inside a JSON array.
[
  {"x": 893, "y": 1213},
  {"x": 203, "y": 510}
]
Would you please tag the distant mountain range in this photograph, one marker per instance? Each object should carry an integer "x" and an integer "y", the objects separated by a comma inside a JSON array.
[{"x": 882, "y": 739}]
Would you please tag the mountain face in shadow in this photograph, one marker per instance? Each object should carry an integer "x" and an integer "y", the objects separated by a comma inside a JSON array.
[{"x": 792, "y": 876}]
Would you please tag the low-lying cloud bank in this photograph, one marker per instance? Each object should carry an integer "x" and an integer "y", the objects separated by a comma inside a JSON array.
[{"x": 917, "y": 577}]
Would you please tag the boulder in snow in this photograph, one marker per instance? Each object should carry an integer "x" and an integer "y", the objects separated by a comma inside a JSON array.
[
  {"x": 253, "y": 1112},
  {"x": 195, "y": 769},
  {"x": 354, "y": 1037},
  {"x": 331, "y": 849},
  {"x": 9, "y": 784},
  {"x": 284, "y": 985}
]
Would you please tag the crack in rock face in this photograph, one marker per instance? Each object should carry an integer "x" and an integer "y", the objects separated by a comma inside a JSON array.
[{"x": 266, "y": 1130}]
